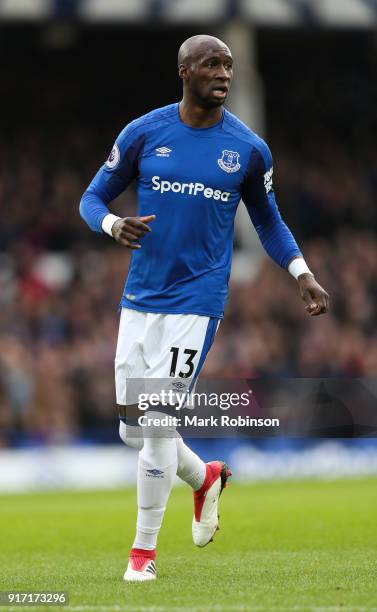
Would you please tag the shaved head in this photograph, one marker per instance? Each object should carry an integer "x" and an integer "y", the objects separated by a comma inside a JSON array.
[
  {"x": 196, "y": 46},
  {"x": 205, "y": 65}
]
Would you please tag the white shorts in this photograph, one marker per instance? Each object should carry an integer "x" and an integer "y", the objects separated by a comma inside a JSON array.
[{"x": 154, "y": 347}]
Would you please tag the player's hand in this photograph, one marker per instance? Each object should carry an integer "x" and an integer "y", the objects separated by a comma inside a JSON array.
[
  {"x": 129, "y": 230},
  {"x": 316, "y": 298}
]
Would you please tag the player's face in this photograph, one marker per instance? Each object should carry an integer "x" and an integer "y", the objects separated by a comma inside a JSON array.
[{"x": 210, "y": 77}]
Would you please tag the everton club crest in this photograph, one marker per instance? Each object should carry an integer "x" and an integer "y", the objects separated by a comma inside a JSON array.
[{"x": 229, "y": 162}]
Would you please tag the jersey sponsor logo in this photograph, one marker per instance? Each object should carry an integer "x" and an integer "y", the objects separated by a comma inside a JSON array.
[
  {"x": 193, "y": 189},
  {"x": 268, "y": 180},
  {"x": 229, "y": 161},
  {"x": 114, "y": 158},
  {"x": 163, "y": 152}
]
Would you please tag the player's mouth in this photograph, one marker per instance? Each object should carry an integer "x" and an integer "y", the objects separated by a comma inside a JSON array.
[{"x": 220, "y": 92}]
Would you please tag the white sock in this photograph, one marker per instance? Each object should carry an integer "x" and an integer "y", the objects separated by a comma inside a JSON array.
[
  {"x": 190, "y": 468},
  {"x": 131, "y": 435},
  {"x": 157, "y": 469}
]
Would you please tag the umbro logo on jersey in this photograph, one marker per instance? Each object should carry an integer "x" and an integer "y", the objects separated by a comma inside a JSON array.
[{"x": 163, "y": 152}]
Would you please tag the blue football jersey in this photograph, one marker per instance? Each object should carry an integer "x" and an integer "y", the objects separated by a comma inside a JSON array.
[{"x": 192, "y": 179}]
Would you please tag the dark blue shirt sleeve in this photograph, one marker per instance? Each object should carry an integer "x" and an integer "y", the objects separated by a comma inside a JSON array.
[
  {"x": 114, "y": 176},
  {"x": 258, "y": 194}
]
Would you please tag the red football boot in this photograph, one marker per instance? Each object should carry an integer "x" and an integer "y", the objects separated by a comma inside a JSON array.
[
  {"x": 141, "y": 565},
  {"x": 206, "y": 518}
]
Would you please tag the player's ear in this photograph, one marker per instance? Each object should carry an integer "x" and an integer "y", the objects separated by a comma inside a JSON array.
[{"x": 182, "y": 71}]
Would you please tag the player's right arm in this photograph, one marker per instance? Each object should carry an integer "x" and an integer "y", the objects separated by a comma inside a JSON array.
[{"x": 113, "y": 178}]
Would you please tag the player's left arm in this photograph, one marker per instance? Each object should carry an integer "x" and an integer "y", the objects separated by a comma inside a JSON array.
[{"x": 276, "y": 238}]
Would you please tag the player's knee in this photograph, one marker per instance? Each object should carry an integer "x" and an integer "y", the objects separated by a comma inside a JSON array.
[
  {"x": 131, "y": 435},
  {"x": 159, "y": 451}
]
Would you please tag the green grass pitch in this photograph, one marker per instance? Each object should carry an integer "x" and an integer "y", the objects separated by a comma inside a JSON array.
[{"x": 282, "y": 546}]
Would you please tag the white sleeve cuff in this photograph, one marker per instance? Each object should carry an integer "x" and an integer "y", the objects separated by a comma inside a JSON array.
[
  {"x": 298, "y": 266},
  {"x": 108, "y": 223}
]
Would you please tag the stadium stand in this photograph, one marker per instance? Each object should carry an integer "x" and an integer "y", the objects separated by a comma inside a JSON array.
[{"x": 60, "y": 284}]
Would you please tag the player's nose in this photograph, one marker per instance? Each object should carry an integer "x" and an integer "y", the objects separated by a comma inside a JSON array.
[{"x": 222, "y": 73}]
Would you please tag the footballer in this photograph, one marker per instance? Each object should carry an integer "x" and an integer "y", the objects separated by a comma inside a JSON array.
[{"x": 193, "y": 162}]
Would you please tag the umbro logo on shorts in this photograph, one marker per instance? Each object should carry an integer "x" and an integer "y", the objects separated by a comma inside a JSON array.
[{"x": 178, "y": 385}]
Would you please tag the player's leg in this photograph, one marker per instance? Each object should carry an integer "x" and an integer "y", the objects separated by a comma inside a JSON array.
[
  {"x": 129, "y": 431},
  {"x": 190, "y": 467},
  {"x": 177, "y": 346},
  {"x": 157, "y": 469},
  {"x": 129, "y": 372},
  {"x": 185, "y": 343},
  {"x": 158, "y": 459},
  {"x": 129, "y": 360},
  {"x": 157, "y": 465}
]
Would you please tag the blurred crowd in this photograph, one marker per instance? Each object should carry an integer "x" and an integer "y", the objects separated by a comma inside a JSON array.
[{"x": 60, "y": 285}]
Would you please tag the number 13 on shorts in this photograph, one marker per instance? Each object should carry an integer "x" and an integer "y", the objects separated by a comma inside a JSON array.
[{"x": 160, "y": 346}]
